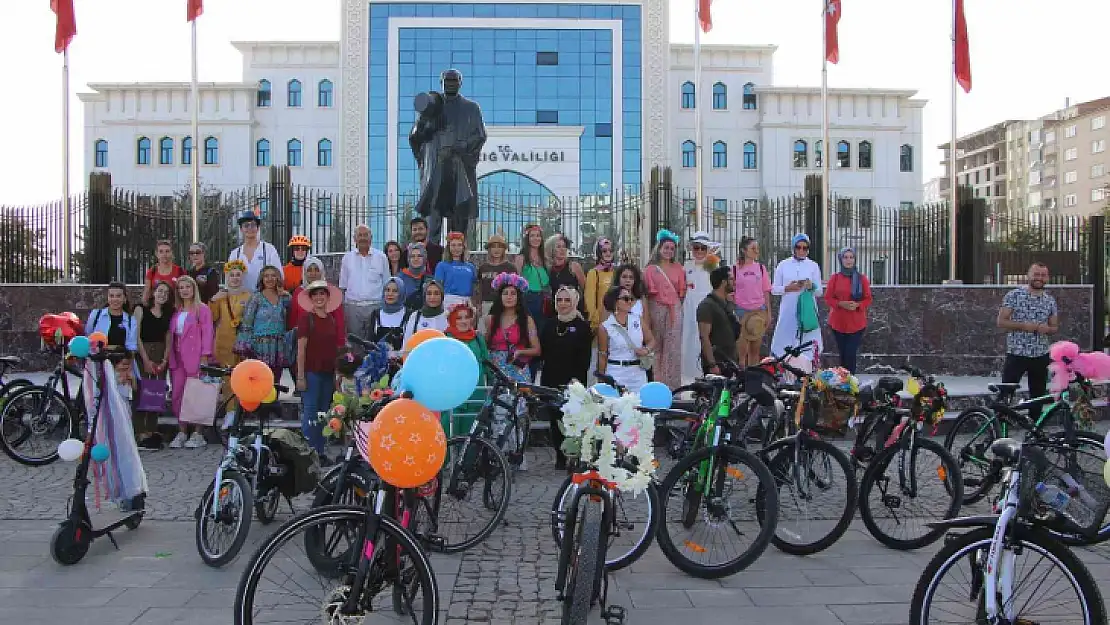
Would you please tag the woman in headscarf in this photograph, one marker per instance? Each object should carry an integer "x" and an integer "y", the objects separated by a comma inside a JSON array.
[
  {"x": 431, "y": 314},
  {"x": 598, "y": 281},
  {"x": 388, "y": 322},
  {"x": 312, "y": 270},
  {"x": 795, "y": 277},
  {"x": 666, "y": 291},
  {"x": 848, "y": 295},
  {"x": 697, "y": 287},
  {"x": 415, "y": 275},
  {"x": 567, "y": 341},
  {"x": 462, "y": 324}
]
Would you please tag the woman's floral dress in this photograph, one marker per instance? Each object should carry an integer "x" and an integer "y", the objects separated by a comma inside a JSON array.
[{"x": 262, "y": 331}]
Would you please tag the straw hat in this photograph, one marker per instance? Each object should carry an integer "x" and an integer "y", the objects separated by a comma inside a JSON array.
[
  {"x": 496, "y": 239},
  {"x": 335, "y": 296},
  {"x": 753, "y": 325}
]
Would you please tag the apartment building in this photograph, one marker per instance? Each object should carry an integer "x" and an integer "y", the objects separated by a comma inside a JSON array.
[
  {"x": 981, "y": 163},
  {"x": 1073, "y": 174}
]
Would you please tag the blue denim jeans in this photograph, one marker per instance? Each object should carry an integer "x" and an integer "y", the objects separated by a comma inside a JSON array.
[
  {"x": 316, "y": 398},
  {"x": 848, "y": 346}
]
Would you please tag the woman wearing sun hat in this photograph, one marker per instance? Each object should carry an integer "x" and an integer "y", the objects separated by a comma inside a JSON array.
[
  {"x": 319, "y": 338},
  {"x": 703, "y": 260},
  {"x": 497, "y": 262}
]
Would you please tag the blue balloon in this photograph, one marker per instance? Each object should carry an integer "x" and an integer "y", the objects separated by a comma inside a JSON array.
[
  {"x": 656, "y": 395},
  {"x": 441, "y": 373},
  {"x": 605, "y": 390},
  {"x": 99, "y": 452},
  {"x": 79, "y": 346}
]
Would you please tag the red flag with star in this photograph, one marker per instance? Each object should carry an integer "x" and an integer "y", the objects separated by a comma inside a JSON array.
[
  {"x": 196, "y": 9},
  {"x": 704, "y": 16},
  {"x": 66, "y": 26},
  {"x": 961, "y": 54},
  {"x": 832, "y": 20}
]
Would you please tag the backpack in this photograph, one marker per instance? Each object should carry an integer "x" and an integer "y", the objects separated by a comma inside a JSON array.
[
  {"x": 300, "y": 460},
  {"x": 807, "y": 312}
]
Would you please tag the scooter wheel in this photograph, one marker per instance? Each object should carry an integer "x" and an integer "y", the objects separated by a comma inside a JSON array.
[{"x": 70, "y": 542}]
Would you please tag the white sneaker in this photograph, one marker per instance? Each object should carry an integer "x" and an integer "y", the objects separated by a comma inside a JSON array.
[
  {"x": 178, "y": 441},
  {"x": 195, "y": 441}
]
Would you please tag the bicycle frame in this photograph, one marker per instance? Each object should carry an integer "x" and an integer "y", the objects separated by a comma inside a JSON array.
[
  {"x": 587, "y": 484},
  {"x": 231, "y": 461},
  {"x": 999, "y": 573}
]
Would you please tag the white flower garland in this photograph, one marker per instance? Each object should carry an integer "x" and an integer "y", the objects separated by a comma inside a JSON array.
[{"x": 634, "y": 432}]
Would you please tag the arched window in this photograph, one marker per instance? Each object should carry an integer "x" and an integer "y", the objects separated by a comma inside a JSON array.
[
  {"x": 751, "y": 155},
  {"x": 293, "y": 152},
  {"x": 689, "y": 95},
  {"x": 720, "y": 96},
  {"x": 801, "y": 154},
  {"x": 263, "y": 93},
  {"x": 843, "y": 154},
  {"x": 165, "y": 151},
  {"x": 294, "y": 93},
  {"x": 211, "y": 151},
  {"x": 495, "y": 186},
  {"x": 187, "y": 151},
  {"x": 325, "y": 94},
  {"x": 905, "y": 157},
  {"x": 818, "y": 153},
  {"x": 749, "y": 97},
  {"x": 864, "y": 155},
  {"x": 262, "y": 153},
  {"x": 689, "y": 154},
  {"x": 142, "y": 151},
  {"x": 100, "y": 153},
  {"x": 323, "y": 153},
  {"x": 720, "y": 154}
]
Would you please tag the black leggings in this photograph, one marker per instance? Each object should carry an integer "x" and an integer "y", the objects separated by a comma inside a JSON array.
[{"x": 1036, "y": 367}]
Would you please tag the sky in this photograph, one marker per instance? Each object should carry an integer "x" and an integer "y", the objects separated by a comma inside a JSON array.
[{"x": 1027, "y": 56}]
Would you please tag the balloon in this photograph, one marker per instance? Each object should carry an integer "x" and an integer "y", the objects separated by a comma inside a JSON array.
[
  {"x": 271, "y": 397},
  {"x": 100, "y": 452},
  {"x": 252, "y": 380},
  {"x": 913, "y": 387},
  {"x": 605, "y": 390},
  {"x": 442, "y": 373},
  {"x": 70, "y": 449},
  {"x": 1106, "y": 444},
  {"x": 405, "y": 444},
  {"x": 397, "y": 384},
  {"x": 98, "y": 339},
  {"x": 79, "y": 347},
  {"x": 656, "y": 395},
  {"x": 249, "y": 406},
  {"x": 418, "y": 338}
]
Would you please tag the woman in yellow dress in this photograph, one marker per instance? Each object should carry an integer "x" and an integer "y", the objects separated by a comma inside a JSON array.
[{"x": 227, "y": 310}]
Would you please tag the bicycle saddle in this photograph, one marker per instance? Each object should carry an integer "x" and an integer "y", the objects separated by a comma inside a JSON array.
[{"x": 890, "y": 384}]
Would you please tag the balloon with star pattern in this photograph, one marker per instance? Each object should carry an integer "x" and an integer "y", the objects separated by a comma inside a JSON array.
[{"x": 405, "y": 444}]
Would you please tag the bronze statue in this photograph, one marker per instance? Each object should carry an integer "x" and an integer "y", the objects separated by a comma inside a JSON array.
[{"x": 447, "y": 141}]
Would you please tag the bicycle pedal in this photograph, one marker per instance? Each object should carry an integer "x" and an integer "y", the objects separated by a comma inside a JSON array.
[
  {"x": 434, "y": 542},
  {"x": 613, "y": 615}
]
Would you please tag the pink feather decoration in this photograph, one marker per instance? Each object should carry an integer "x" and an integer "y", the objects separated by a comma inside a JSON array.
[
  {"x": 1066, "y": 359},
  {"x": 1063, "y": 349}
]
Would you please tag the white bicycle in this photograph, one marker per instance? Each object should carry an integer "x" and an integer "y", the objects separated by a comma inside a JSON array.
[{"x": 1008, "y": 570}]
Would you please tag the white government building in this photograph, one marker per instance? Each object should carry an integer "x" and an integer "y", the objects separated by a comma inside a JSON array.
[{"x": 598, "y": 83}]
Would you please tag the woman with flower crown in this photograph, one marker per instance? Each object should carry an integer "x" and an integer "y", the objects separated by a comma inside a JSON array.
[
  {"x": 665, "y": 280},
  {"x": 227, "y": 311}
]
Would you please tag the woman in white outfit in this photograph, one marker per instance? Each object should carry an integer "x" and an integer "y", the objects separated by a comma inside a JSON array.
[
  {"x": 698, "y": 287},
  {"x": 792, "y": 277},
  {"x": 622, "y": 340}
]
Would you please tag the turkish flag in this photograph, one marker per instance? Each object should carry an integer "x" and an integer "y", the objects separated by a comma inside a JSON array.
[
  {"x": 703, "y": 15},
  {"x": 196, "y": 9},
  {"x": 962, "y": 55},
  {"x": 832, "y": 20},
  {"x": 66, "y": 27}
]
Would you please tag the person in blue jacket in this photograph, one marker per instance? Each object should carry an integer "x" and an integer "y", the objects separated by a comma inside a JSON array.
[
  {"x": 115, "y": 319},
  {"x": 457, "y": 275}
]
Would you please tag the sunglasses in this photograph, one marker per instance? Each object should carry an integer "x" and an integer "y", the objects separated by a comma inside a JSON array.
[
  {"x": 699, "y": 248},
  {"x": 626, "y": 298},
  {"x": 801, "y": 247}
]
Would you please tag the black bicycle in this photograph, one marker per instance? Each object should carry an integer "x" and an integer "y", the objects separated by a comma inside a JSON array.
[{"x": 36, "y": 418}]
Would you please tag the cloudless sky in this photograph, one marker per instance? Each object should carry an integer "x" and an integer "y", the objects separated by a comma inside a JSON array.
[{"x": 1027, "y": 56}]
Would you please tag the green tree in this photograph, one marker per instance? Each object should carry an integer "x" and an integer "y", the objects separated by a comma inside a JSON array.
[{"x": 25, "y": 250}]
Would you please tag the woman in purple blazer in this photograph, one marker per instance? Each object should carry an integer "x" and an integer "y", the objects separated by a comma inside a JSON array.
[{"x": 190, "y": 345}]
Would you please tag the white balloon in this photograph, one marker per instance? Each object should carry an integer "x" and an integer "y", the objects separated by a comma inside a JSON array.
[{"x": 70, "y": 449}]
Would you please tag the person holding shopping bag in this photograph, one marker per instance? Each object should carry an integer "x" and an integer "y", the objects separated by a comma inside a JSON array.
[
  {"x": 798, "y": 282},
  {"x": 190, "y": 346}
]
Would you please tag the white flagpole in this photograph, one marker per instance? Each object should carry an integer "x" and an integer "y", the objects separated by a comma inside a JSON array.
[
  {"x": 952, "y": 163},
  {"x": 699, "y": 198},
  {"x": 67, "y": 223},
  {"x": 826, "y": 149},
  {"x": 195, "y": 156}
]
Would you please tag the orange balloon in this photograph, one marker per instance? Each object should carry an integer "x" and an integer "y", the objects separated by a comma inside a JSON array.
[
  {"x": 420, "y": 337},
  {"x": 249, "y": 406},
  {"x": 405, "y": 444},
  {"x": 102, "y": 339},
  {"x": 252, "y": 380}
]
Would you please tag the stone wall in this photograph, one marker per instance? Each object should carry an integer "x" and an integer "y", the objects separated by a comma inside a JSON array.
[{"x": 941, "y": 329}]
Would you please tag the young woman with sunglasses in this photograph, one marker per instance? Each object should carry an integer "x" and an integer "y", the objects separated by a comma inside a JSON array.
[{"x": 793, "y": 277}]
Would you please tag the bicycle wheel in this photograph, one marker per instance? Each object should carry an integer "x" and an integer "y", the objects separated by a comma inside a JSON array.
[
  {"x": 637, "y": 517},
  {"x": 817, "y": 494},
  {"x": 359, "y": 485},
  {"x": 472, "y": 496},
  {"x": 33, "y": 421},
  {"x": 12, "y": 386},
  {"x": 1075, "y": 598},
  {"x": 1093, "y": 444},
  {"x": 220, "y": 539},
  {"x": 727, "y": 509},
  {"x": 397, "y": 559},
  {"x": 900, "y": 500},
  {"x": 968, "y": 441},
  {"x": 584, "y": 576}
]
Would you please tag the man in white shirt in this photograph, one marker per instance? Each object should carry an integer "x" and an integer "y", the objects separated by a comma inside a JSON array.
[
  {"x": 362, "y": 276},
  {"x": 255, "y": 252}
]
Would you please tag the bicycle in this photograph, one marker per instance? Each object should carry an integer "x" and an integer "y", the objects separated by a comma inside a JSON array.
[
  {"x": 378, "y": 552},
  {"x": 247, "y": 477},
  {"x": 989, "y": 591},
  {"x": 8, "y": 386},
  {"x": 34, "y": 412}
]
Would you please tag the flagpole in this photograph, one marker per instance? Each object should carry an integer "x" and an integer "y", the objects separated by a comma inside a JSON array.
[
  {"x": 67, "y": 224},
  {"x": 195, "y": 156},
  {"x": 826, "y": 152},
  {"x": 699, "y": 198},
  {"x": 952, "y": 161}
]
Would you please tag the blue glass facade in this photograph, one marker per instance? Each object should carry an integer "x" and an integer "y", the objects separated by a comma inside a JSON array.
[{"x": 510, "y": 73}]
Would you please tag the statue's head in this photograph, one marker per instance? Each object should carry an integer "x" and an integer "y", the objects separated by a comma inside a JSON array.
[{"x": 452, "y": 81}]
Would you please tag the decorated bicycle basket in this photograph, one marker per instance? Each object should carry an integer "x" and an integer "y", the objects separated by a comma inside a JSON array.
[
  {"x": 1070, "y": 494},
  {"x": 828, "y": 401},
  {"x": 611, "y": 435},
  {"x": 929, "y": 401}
]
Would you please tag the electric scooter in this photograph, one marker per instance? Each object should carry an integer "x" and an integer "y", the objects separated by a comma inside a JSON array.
[{"x": 71, "y": 540}]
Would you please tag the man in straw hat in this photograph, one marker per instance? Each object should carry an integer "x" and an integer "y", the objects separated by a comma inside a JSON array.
[{"x": 718, "y": 329}]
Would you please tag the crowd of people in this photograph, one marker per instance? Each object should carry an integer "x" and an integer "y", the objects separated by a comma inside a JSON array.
[{"x": 540, "y": 314}]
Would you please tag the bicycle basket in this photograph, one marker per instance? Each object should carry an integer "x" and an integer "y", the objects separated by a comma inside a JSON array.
[
  {"x": 1077, "y": 472},
  {"x": 759, "y": 384},
  {"x": 825, "y": 409},
  {"x": 929, "y": 404}
]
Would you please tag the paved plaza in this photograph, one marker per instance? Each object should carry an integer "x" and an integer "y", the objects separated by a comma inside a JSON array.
[{"x": 157, "y": 577}]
